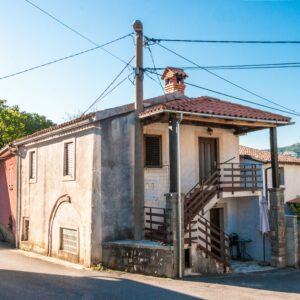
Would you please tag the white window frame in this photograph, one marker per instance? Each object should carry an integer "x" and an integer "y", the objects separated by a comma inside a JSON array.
[
  {"x": 69, "y": 177},
  {"x": 32, "y": 180}
]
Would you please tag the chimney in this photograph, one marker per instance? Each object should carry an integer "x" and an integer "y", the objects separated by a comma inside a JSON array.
[{"x": 174, "y": 80}]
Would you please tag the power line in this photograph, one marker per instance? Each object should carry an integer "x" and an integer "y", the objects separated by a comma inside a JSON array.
[
  {"x": 159, "y": 40},
  {"x": 226, "y": 80},
  {"x": 112, "y": 82},
  {"x": 241, "y": 99},
  {"x": 238, "y": 67},
  {"x": 64, "y": 58},
  {"x": 73, "y": 30},
  {"x": 234, "y": 97},
  {"x": 158, "y": 80},
  {"x": 117, "y": 85}
]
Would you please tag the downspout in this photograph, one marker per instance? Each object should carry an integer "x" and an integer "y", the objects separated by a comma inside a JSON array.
[
  {"x": 18, "y": 199},
  {"x": 266, "y": 184},
  {"x": 179, "y": 219}
]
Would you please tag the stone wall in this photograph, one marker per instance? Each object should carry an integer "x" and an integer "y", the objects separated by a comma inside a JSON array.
[
  {"x": 292, "y": 250},
  {"x": 203, "y": 264},
  {"x": 145, "y": 257}
]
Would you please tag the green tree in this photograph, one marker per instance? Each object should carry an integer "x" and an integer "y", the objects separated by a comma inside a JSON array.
[{"x": 15, "y": 123}]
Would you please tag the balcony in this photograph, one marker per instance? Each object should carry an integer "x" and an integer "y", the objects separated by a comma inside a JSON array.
[{"x": 239, "y": 177}]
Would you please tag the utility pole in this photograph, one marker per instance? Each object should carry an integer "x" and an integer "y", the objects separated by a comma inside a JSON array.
[{"x": 138, "y": 135}]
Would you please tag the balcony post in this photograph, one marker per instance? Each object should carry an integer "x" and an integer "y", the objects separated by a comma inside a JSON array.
[
  {"x": 173, "y": 154},
  {"x": 277, "y": 215}
]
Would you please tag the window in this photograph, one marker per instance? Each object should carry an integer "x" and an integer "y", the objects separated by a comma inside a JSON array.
[
  {"x": 11, "y": 177},
  {"x": 281, "y": 176},
  {"x": 32, "y": 166},
  {"x": 25, "y": 229},
  {"x": 153, "y": 151},
  {"x": 68, "y": 240},
  {"x": 69, "y": 160}
]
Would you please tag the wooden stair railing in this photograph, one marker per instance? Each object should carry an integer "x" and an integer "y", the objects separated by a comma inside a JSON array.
[
  {"x": 210, "y": 239},
  {"x": 199, "y": 196}
]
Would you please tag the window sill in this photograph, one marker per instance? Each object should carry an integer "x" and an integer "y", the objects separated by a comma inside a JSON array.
[
  {"x": 32, "y": 180},
  {"x": 68, "y": 178}
]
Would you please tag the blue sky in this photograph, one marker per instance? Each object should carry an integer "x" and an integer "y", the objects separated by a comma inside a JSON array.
[{"x": 29, "y": 38}]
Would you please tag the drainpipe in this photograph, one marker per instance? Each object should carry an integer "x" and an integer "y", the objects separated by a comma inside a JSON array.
[
  {"x": 266, "y": 184},
  {"x": 18, "y": 198},
  {"x": 179, "y": 213}
]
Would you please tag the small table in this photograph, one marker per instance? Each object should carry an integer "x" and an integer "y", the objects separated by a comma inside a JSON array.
[{"x": 244, "y": 255}]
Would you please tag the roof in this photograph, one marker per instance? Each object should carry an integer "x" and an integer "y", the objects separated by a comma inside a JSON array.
[
  {"x": 206, "y": 106},
  {"x": 209, "y": 106},
  {"x": 55, "y": 127},
  {"x": 265, "y": 156},
  {"x": 296, "y": 200}
]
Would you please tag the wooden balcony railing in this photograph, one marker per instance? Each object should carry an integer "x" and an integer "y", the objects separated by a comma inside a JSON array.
[
  {"x": 156, "y": 224},
  {"x": 240, "y": 177}
]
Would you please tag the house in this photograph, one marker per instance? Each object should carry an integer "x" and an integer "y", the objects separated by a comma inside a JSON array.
[
  {"x": 78, "y": 184},
  {"x": 8, "y": 194},
  {"x": 289, "y": 170}
]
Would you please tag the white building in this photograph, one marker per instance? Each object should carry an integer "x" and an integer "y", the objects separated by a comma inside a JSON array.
[{"x": 76, "y": 180}]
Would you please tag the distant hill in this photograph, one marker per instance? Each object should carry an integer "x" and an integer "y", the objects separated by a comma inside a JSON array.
[{"x": 294, "y": 148}]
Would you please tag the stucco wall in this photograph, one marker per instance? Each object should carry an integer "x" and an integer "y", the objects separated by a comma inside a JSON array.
[
  {"x": 291, "y": 178},
  {"x": 8, "y": 195},
  {"x": 113, "y": 207},
  {"x": 242, "y": 217},
  {"x": 157, "y": 179},
  {"x": 40, "y": 198}
]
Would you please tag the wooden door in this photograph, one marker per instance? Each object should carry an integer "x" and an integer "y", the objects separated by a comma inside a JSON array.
[{"x": 207, "y": 157}]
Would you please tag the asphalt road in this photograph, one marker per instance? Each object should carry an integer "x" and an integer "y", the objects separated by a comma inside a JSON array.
[{"x": 28, "y": 276}]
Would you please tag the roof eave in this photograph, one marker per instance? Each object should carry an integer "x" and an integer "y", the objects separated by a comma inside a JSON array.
[
  {"x": 160, "y": 111},
  {"x": 53, "y": 132}
]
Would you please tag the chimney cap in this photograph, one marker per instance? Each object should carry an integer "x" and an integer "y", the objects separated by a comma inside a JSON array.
[{"x": 170, "y": 72}]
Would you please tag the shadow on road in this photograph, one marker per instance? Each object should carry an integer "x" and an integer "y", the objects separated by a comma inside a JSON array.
[
  {"x": 27, "y": 285},
  {"x": 280, "y": 280}
]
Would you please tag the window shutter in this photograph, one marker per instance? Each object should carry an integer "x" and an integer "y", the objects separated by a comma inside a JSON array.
[
  {"x": 153, "y": 156},
  {"x": 32, "y": 164},
  {"x": 69, "y": 159},
  {"x": 11, "y": 180}
]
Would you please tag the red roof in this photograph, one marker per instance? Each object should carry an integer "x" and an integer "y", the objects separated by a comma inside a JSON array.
[
  {"x": 296, "y": 200},
  {"x": 265, "y": 156},
  {"x": 212, "y": 106}
]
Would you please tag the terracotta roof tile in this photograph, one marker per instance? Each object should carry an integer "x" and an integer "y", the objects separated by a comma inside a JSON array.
[
  {"x": 62, "y": 125},
  {"x": 296, "y": 200},
  {"x": 265, "y": 156},
  {"x": 213, "y": 106}
]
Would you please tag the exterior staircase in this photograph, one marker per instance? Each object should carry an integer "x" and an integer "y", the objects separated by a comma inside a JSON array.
[{"x": 210, "y": 239}]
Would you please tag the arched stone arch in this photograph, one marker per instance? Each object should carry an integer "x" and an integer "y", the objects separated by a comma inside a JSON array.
[{"x": 63, "y": 199}]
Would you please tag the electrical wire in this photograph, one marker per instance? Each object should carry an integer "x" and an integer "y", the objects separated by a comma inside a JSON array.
[
  {"x": 226, "y": 80},
  {"x": 63, "y": 58},
  {"x": 111, "y": 83},
  {"x": 234, "y": 97},
  {"x": 74, "y": 30},
  {"x": 159, "y": 40},
  {"x": 239, "y": 67},
  {"x": 153, "y": 62}
]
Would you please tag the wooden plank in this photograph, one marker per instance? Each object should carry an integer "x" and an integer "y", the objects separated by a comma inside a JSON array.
[{"x": 230, "y": 122}]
